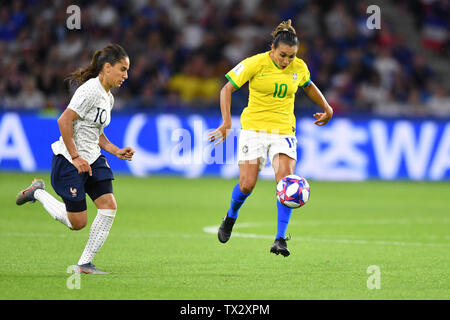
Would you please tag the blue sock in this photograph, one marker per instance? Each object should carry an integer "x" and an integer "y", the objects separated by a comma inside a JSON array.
[
  {"x": 237, "y": 199},
  {"x": 284, "y": 215}
]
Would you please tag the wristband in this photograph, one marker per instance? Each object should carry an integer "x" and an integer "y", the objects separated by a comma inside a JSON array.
[{"x": 77, "y": 156}]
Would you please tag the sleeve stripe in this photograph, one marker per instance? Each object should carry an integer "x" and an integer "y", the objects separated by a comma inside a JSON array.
[
  {"x": 232, "y": 82},
  {"x": 306, "y": 83}
]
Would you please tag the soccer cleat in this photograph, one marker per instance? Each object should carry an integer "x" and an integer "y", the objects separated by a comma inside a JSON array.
[
  {"x": 225, "y": 229},
  {"x": 280, "y": 246},
  {"x": 89, "y": 268},
  {"x": 28, "y": 194}
]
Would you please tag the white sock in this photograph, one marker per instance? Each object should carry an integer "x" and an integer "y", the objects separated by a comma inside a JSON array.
[
  {"x": 55, "y": 208},
  {"x": 97, "y": 234}
]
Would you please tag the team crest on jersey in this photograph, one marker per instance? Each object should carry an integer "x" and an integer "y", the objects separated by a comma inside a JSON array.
[
  {"x": 294, "y": 76},
  {"x": 245, "y": 149},
  {"x": 73, "y": 191}
]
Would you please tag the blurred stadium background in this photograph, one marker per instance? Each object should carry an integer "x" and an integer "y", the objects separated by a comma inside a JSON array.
[
  {"x": 180, "y": 51},
  {"x": 390, "y": 92}
]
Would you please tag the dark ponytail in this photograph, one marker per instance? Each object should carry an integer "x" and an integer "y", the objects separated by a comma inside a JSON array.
[
  {"x": 285, "y": 33},
  {"x": 112, "y": 53}
]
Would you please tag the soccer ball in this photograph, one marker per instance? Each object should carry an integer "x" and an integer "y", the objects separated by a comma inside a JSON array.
[{"x": 293, "y": 191}]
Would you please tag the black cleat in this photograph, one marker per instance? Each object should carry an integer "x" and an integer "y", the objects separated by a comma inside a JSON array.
[
  {"x": 280, "y": 246},
  {"x": 225, "y": 229}
]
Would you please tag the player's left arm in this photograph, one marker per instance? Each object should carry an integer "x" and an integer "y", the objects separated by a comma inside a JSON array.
[
  {"x": 124, "y": 153},
  {"x": 314, "y": 93}
]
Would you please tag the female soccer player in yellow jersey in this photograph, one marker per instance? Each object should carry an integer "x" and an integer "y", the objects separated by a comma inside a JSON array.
[{"x": 268, "y": 122}]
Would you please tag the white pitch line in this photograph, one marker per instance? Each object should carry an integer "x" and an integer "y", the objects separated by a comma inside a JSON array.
[
  {"x": 352, "y": 222},
  {"x": 213, "y": 230}
]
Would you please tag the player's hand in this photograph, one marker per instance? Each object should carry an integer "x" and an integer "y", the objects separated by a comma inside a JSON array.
[
  {"x": 322, "y": 118},
  {"x": 125, "y": 153},
  {"x": 82, "y": 165},
  {"x": 220, "y": 134}
]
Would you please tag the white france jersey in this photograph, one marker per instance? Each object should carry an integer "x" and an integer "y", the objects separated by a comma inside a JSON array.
[{"x": 93, "y": 105}]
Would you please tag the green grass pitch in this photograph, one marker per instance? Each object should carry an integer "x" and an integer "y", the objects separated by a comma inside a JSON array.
[{"x": 163, "y": 244}]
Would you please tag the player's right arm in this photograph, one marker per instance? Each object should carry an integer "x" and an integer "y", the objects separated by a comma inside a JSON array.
[
  {"x": 222, "y": 132},
  {"x": 237, "y": 76},
  {"x": 65, "y": 123}
]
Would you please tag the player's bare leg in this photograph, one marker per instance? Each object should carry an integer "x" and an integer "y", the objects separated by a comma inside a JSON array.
[
  {"x": 78, "y": 219},
  {"x": 248, "y": 174},
  {"x": 283, "y": 165}
]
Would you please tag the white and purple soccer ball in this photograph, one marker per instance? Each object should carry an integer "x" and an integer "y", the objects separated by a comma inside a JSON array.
[{"x": 293, "y": 191}]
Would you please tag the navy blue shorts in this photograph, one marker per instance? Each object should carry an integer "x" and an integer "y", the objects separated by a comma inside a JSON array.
[{"x": 72, "y": 186}]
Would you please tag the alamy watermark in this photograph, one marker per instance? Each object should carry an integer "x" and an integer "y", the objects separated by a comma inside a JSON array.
[
  {"x": 374, "y": 280},
  {"x": 74, "y": 20},
  {"x": 374, "y": 21},
  {"x": 74, "y": 280}
]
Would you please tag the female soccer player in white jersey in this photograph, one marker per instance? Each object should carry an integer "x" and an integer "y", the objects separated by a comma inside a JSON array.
[
  {"x": 268, "y": 122},
  {"x": 78, "y": 167}
]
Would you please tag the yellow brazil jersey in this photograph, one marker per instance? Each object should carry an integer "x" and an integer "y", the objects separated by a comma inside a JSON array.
[{"x": 271, "y": 92}]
